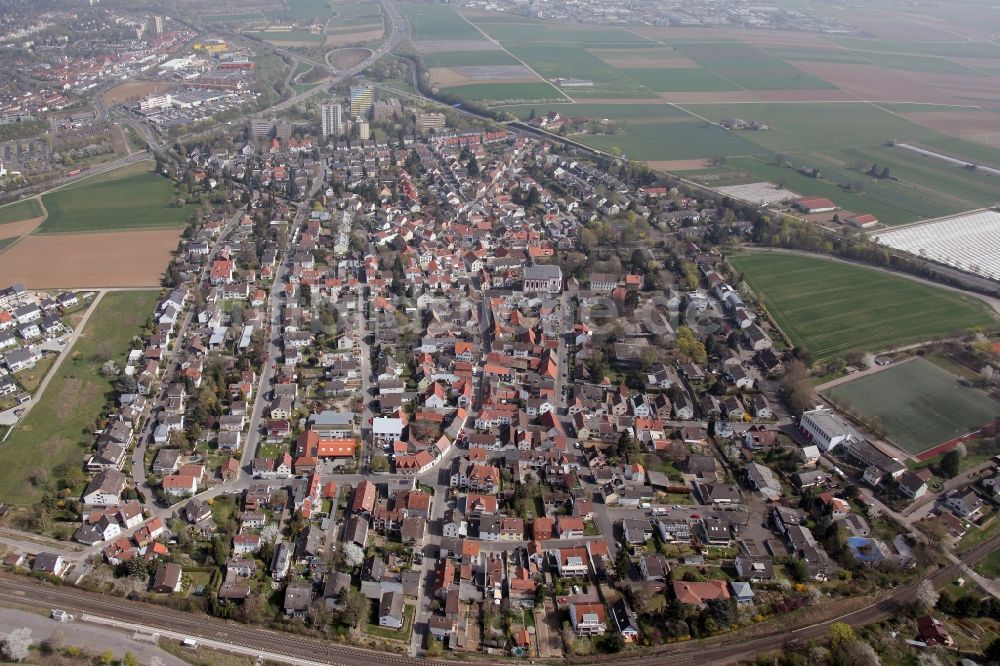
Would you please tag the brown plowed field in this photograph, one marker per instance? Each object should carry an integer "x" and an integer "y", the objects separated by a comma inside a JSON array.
[
  {"x": 115, "y": 259},
  {"x": 829, "y": 95},
  {"x": 875, "y": 83},
  {"x": 678, "y": 165},
  {"x": 958, "y": 123},
  {"x": 20, "y": 228},
  {"x": 133, "y": 90}
]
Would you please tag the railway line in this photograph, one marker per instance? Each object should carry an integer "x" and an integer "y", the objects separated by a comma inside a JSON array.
[{"x": 726, "y": 649}]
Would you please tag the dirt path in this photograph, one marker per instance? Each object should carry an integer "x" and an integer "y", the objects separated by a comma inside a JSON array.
[
  {"x": 22, "y": 228},
  {"x": 67, "y": 349},
  {"x": 526, "y": 65}
]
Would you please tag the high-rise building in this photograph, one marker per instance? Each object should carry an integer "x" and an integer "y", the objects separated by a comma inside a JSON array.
[
  {"x": 364, "y": 130},
  {"x": 283, "y": 130},
  {"x": 260, "y": 128},
  {"x": 386, "y": 109},
  {"x": 429, "y": 121},
  {"x": 362, "y": 98},
  {"x": 157, "y": 25},
  {"x": 332, "y": 119}
]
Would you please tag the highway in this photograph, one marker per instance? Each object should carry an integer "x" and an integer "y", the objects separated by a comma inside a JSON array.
[{"x": 720, "y": 650}]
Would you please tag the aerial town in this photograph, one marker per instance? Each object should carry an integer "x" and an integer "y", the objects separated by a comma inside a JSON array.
[{"x": 410, "y": 385}]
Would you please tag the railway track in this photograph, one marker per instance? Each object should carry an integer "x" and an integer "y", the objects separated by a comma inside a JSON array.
[{"x": 727, "y": 649}]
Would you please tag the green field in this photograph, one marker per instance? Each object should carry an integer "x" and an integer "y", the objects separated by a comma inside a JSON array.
[
  {"x": 677, "y": 79},
  {"x": 831, "y": 308},
  {"x": 132, "y": 197},
  {"x": 751, "y": 68},
  {"x": 309, "y": 9},
  {"x": 284, "y": 35},
  {"x": 919, "y": 404},
  {"x": 231, "y": 18},
  {"x": 893, "y": 203},
  {"x": 21, "y": 210},
  {"x": 469, "y": 58},
  {"x": 572, "y": 61},
  {"x": 555, "y": 34},
  {"x": 53, "y": 435},
  {"x": 438, "y": 23},
  {"x": 944, "y": 49},
  {"x": 672, "y": 140},
  {"x": 505, "y": 91},
  {"x": 800, "y": 127},
  {"x": 621, "y": 112}
]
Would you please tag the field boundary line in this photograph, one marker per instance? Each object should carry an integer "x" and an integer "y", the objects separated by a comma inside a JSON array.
[{"x": 526, "y": 65}]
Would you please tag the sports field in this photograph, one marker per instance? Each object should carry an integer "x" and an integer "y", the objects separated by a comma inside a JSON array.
[
  {"x": 52, "y": 436},
  {"x": 831, "y": 308},
  {"x": 919, "y": 404},
  {"x": 132, "y": 197}
]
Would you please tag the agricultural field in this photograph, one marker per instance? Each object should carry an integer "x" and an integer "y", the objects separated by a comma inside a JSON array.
[
  {"x": 750, "y": 68},
  {"x": 649, "y": 132},
  {"x": 520, "y": 91},
  {"x": 917, "y": 403},
  {"x": 680, "y": 79},
  {"x": 306, "y": 10},
  {"x": 829, "y": 102},
  {"x": 232, "y": 18},
  {"x": 830, "y": 308},
  {"x": 132, "y": 197},
  {"x": 58, "y": 424},
  {"x": 112, "y": 259},
  {"x": 438, "y": 23},
  {"x": 893, "y": 203},
  {"x": 25, "y": 209},
  {"x": 816, "y": 126},
  {"x": 295, "y": 37}
]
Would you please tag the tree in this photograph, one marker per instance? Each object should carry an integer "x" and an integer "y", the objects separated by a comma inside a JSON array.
[
  {"x": 17, "y": 644},
  {"x": 353, "y": 554},
  {"x": 857, "y": 653},
  {"x": 623, "y": 564},
  {"x": 129, "y": 660},
  {"x": 992, "y": 651},
  {"x": 841, "y": 634},
  {"x": 949, "y": 463},
  {"x": 106, "y": 658},
  {"x": 473, "y": 166},
  {"x": 926, "y": 594},
  {"x": 354, "y": 607},
  {"x": 689, "y": 347}
]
